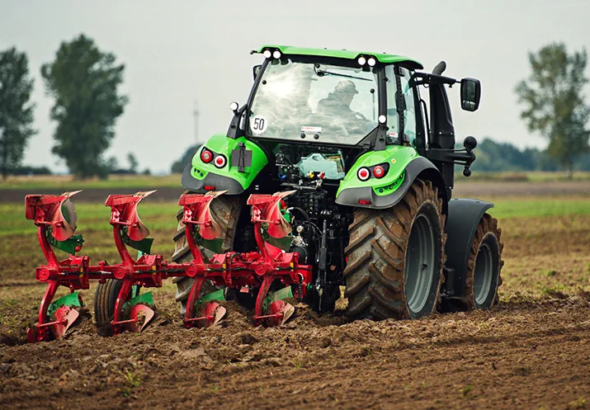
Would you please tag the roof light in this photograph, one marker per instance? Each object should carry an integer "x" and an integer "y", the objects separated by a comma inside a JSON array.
[
  {"x": 372, "y": 61},
  {"x": 206, "y": 156},
  {"x": 382, "y": 119},
  {"x": 234, "y": 106},
  {"x": 277, "y": 54},
  {"x": 362, "y": 60},
  {"x": 378, "y": 171},
  {"x": 267, "y": 54},
  {"x": 363, "y": 174},
  {"x": 220, "y": 161}
]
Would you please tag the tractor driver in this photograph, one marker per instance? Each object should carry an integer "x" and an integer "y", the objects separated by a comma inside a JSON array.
[{"x": 337, "y": 106}]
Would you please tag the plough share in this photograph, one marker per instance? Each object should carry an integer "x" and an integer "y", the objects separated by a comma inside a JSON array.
[{"x": 56, "y": 221}]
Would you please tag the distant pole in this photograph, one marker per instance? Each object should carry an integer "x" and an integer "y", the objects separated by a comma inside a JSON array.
[{"x": 196, "y": 120}]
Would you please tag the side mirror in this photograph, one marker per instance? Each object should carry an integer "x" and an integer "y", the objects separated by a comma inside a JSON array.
[
  {"x": 256, "y": 70},
  {"x": 470, "y": 94}
]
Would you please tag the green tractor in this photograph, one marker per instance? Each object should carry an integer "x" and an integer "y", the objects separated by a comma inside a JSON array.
[{"x": 372, "y": 176}]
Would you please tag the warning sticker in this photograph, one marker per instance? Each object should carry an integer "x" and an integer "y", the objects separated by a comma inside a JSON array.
[
  {"x": 314, "y": 130},
  {"x": 259, "y": 125}
]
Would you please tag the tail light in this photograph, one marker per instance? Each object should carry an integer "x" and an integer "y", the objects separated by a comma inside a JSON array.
[
  {"x": 206, "y": 156},
  {"x": 378, "y": 171},
  {"x": 220, "y": 161},
  {"x": 363, "y": 174}
]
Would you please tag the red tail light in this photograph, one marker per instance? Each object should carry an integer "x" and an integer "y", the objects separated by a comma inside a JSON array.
[
  {"x": 206, "y": 156},
  {"x": 364, "y": 202},
  {"x": 363, "y": 174},
  {"x": 220, "y": 161},
  {"x": 378, "y": 171}
]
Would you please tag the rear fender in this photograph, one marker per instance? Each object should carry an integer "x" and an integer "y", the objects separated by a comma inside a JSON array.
[
  {"x": 462, "y": 220},
  {"x": 405, "y": 165},
  {"x": 234, "y": 177}
]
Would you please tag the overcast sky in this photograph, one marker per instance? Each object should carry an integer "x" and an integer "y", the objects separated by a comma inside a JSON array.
[{"x": 176, "y": 52}]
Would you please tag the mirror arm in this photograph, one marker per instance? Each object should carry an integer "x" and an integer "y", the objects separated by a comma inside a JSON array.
[
  {"x": 234, "y": 131},
  {"x": 448, "y": 156}
]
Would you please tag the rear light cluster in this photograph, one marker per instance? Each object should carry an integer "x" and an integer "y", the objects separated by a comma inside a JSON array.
[
  {"x": 208, "y": 156},
  {"x": 378, "y": 171}
]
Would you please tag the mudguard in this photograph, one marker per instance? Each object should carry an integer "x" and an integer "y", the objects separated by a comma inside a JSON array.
[
  {"x": 235, "y": 176},
  {"x": 462, "y": 220},
  {"x": 405, "y": 165}
]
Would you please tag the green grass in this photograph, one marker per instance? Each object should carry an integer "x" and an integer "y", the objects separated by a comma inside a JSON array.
[
  {"x": 158, "y": 215},
  {"x": 536, "y": 176},
  {"x": 67, "y": 183},
  {"x": 161, "y": 215},
  {"x": 529, "y": 207}
]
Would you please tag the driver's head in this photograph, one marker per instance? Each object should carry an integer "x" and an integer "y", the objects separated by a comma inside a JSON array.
[{"x": 345, "y": 90}]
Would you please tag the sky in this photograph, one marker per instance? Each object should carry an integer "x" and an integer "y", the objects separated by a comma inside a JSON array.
[{"x": 179, "y": 52}]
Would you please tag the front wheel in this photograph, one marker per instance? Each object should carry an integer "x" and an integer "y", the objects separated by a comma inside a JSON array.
[{"x": 396, "y": 256}]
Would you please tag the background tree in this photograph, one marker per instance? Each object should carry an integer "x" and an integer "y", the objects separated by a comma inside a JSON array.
[
  {"x": 16, "y": 114},
  {"x": 84, "y": 83},
  {"x": 178, "y": 166},
  {"x": 554, "y": 102},
  {"x": 133, "y": 164}
]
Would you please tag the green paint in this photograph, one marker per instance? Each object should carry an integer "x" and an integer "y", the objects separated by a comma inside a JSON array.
[
  {"x": 283, "y": 243},
  {"x": 347, "y": 54},
  {"x": 280, "y": 294},
  {"x": 385, "y": 190},
  {"x": 217, "y": 295},
  {"x": 220, "y": 144},
  {"x": 143, "y": 299},
  {"x": 69, "y": 300},
  {"x": 398, "y": 158},
  {"x": 143, "y": 246},
  {"x": 69, "y": 245}
]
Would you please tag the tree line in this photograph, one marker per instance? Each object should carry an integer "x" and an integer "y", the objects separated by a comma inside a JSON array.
[{"x": 84, "y": 83}]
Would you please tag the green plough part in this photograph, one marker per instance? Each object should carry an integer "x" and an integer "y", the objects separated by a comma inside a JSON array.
[
  {"x": 69, "y": 300},
  {"x": 69, "y": 245},
  {"x": 143, "y": 299},
  {"x": 144, "y": 246},
  {"x": 280, "y": 294},
  {"x": 217, "y": 295}
]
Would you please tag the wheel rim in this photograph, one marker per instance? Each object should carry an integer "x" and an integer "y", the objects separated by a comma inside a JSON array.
[
  {"x": 483, "y": 274},
  {"x": 420, "y": 263}
]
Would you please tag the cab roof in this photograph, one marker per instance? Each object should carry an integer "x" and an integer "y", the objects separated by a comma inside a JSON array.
[{"x": 347, "y": 54}]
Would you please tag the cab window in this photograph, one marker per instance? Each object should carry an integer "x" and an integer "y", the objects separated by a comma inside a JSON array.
[{"x": 409, "y": 111}]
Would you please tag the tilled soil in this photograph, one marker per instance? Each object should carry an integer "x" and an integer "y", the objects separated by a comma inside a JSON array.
[
  {"x": 532, "y": 351},
  {"x": 523, "y": 354}
]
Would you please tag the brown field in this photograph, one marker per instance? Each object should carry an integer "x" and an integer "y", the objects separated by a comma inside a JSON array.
[{"x": 532, "y": 351}]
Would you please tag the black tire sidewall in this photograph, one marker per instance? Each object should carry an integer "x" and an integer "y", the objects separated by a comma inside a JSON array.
[
  {"x": 490, "y": 240},
  {"x": 429, "y": 210}
]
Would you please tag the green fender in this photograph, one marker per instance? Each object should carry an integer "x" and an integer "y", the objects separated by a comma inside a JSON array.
[
  {"x": 197, "y": 175},
  {"x": 404, "y": 165}
]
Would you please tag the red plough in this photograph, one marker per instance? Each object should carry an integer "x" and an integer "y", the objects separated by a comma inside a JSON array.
[{"x": 56, "y": 222}]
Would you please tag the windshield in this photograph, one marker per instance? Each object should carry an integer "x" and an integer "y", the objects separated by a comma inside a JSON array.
[{"x": 314, "y": 102}]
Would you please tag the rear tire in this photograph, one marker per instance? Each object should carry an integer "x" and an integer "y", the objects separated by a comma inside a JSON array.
[
  {"x": 396, "y": 256},
  {"x": 226, "y": 211},
  {"x": 484, "y": 266}
]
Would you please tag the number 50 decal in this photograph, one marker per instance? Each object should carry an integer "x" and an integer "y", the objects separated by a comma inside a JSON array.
[{"x": 258, "y": 125}]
